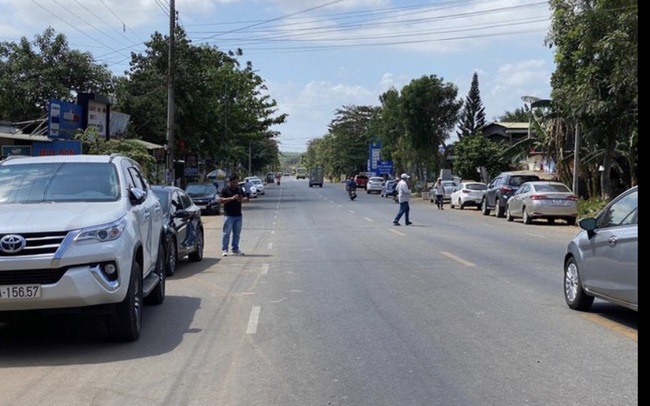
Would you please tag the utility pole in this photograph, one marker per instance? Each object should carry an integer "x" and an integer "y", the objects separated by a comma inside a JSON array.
[
  {"x": 576, "y": 160},
  {"x": 170, "y": 96}
]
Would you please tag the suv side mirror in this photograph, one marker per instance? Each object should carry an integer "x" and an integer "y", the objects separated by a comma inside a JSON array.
[{"x": 137, "y": 195}]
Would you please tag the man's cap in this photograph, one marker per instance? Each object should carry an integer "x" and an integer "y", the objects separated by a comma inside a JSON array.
[
  {"x": 405, "y": 176},
  {"x": 233, "y": 177}
]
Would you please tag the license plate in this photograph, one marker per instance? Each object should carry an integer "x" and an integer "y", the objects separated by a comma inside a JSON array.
[{"x": 20, "y": 292}]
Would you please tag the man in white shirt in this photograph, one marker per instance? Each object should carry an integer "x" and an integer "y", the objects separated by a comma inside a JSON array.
[{"x": 403, "y": 197}]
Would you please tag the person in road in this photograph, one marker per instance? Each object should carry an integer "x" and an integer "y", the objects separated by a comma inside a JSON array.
[
  {"x": 231, "y": 197},
  {"x": 439, "y": 190},
  {"x": 350, "y": 184},
  {"x": 403, "y": 197}
]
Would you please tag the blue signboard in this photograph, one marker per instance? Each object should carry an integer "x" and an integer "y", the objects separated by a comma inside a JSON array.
[
  {"x": 374, "y": 154},
  {"x": 64, "y": 119},
  {"x": 24, "y": 150},
  {"x": 385, "y": 167},
  {"x": 56, "y": 148}
]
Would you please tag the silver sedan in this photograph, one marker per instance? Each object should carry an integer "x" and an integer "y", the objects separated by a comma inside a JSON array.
[{"x": 543, "y": 200}]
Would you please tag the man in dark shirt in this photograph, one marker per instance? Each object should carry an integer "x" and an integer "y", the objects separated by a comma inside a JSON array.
[{"x": 231, "y": 198}]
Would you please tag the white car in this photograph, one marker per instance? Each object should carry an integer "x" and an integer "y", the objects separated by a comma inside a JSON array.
[
  {"x": 259, "y": 185},
  {"x": 80, "y": 232},
  {"x": 467, "y": 194},
  {"x": 374, "y": 184}
]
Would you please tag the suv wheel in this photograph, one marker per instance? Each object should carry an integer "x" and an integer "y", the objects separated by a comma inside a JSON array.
[
  {"x": 157, "y": 295},
  {"x": 574, "y": 295},
  {"x": 484, "y": 207},
  {"x": 527, "y": 218},
  {"x": 499, "y": 210},
  {"x": 172, "y": 258},
  {"x": 197, "y": 255},
  {"x": 124, "y": 324}
]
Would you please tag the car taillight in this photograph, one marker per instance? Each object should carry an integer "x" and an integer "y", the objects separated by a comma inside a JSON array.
[
  {"x": 505, "y": 190},
  {"x": 572, "y": 197},
  {"x": 538, "y": 197}
]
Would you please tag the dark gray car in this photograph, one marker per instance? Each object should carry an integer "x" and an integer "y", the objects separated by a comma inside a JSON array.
[{"x": 500, "y": 189}]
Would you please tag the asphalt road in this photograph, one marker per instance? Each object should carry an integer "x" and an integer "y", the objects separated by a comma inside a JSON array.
[{"x": 333, "y": 305}]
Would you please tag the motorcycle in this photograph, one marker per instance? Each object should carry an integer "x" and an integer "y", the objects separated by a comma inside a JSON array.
[{"x": 352, "y": 193}]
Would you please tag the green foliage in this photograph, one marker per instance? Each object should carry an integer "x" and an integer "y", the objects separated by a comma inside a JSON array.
[
  {"x": 520, "y": 115},
  {"x": 31, "y": 73},
  {"x": 475, "y": 152},
  {"x": 472, "y": 117},
  {"x": 590, "y": 207},
  {"x": 94, "y": 144}
]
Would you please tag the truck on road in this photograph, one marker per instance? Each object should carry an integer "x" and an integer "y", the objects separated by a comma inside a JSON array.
[{"x": 316, "y": 176}]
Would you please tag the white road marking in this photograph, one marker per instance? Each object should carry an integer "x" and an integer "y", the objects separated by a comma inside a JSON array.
[
  {"x": 265, "y": 269},
  {"x": 396, "y": 232},
  {"x": 253, "y": 319},
  {"x": 370, "y": 220},
  {"x": 272, "y": 232},
  {"x": 455, "y": 258},
  {"x": 270, "y": 246}
]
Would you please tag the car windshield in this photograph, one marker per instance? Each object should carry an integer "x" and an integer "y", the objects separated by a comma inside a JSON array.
[
  {"x": 475, "y": 186},
  {"x": 58, "y": 182},
  {"x": 376, "y": 180},
  {"x": 200, "y": 189},
  {"x": 518, "y": 180}
]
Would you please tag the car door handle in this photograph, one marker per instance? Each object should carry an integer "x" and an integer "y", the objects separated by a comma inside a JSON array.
[{"x": 612, "y": 241}]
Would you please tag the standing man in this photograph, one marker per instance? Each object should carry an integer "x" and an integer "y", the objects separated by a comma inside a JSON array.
[
  {"x": 403, "y": 197},
  {"x": 231, "y": 197}
]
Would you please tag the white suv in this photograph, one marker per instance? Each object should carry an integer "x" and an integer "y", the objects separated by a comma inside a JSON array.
[{"x": 80, "y": 232}]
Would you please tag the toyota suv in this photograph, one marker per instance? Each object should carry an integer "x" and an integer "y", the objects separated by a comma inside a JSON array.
[
  {"x": 500, "y": 189},
  {"x": 82, "y": 234}
]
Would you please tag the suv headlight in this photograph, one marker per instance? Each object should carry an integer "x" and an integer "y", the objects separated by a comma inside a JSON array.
[{"x": 103, "y": 233}]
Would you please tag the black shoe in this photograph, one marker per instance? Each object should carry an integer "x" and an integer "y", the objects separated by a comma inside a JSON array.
[
  {"x": 395, "y": 223},
  {"x": 409, "y": 223}
]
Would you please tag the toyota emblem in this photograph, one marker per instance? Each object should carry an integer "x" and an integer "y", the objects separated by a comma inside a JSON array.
[{"x": 12, "y": 243}]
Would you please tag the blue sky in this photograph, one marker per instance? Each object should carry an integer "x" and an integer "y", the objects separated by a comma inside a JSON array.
[{"x": 317, "y": 56}]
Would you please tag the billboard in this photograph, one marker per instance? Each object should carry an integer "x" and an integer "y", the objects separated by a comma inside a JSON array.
[
  {"x": 63, "y": 119},
  {"x": 72, "y": 147}
]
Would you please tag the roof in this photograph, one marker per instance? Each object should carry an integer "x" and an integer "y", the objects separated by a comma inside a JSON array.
[{"x": 23, "y": 137}]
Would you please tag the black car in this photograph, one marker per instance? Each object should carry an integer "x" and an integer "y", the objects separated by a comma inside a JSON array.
[
  {"x": 206, "y": 196},
  {"x": 500, "y": 189},
  {"x": 182, "y": 224}
]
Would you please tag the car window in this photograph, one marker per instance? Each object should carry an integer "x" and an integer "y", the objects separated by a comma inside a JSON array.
[
  {"x": 523, "y": 189},
  {"x": 621, "y": 212},
  {"x": 517, "y": 180},
  {"x": 475, "y": 186},
  {"x": 552, "y": 187},
  {"x": 177, "y": 204}
]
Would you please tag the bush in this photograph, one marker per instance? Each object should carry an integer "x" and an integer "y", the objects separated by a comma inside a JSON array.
[{"x": 590, "y": 207}]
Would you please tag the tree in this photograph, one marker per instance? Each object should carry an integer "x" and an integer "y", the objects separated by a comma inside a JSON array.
[
  {"x": 429, "y": 110},
  {"x": 221, "y": 109},
  {"x": 475, "y": 153},
  {"x": 520, "y": 115},
  {"x": 472, "y": 117},
  {"x": 32, "y": 73},
  {"x": 595, "y": 84},
  {"x": 351, "y": 137}
]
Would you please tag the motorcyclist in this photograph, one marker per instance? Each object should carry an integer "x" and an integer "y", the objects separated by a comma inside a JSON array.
[{"x": 350, "y": 184}]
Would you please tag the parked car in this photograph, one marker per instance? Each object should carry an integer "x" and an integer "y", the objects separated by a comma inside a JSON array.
[
  {"x": 80, "y": 234},
  {"x": 388, "y": 188},
  {"x": 602, "y": 260},
  {"x": 259, "y": 185},
  {"x": 361, "y": 181},
  {"x": 204, "y": 195},
  {"x": 543, "y": 200},
  {"x": 374, "y": 184},
  {"x": 182, "y": 224},
  {"x": 467, "y": 194},
  {"x": 448, "y": 185},
  {"x": 249, "y": 189},
  {"x": 500, "y": 189}
]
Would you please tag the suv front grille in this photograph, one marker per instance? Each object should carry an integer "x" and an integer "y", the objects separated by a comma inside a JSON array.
[{"x": 36, "y": 244}]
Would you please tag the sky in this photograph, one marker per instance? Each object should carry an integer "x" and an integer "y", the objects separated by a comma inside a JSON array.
[{"x": 317, "y": 56}]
